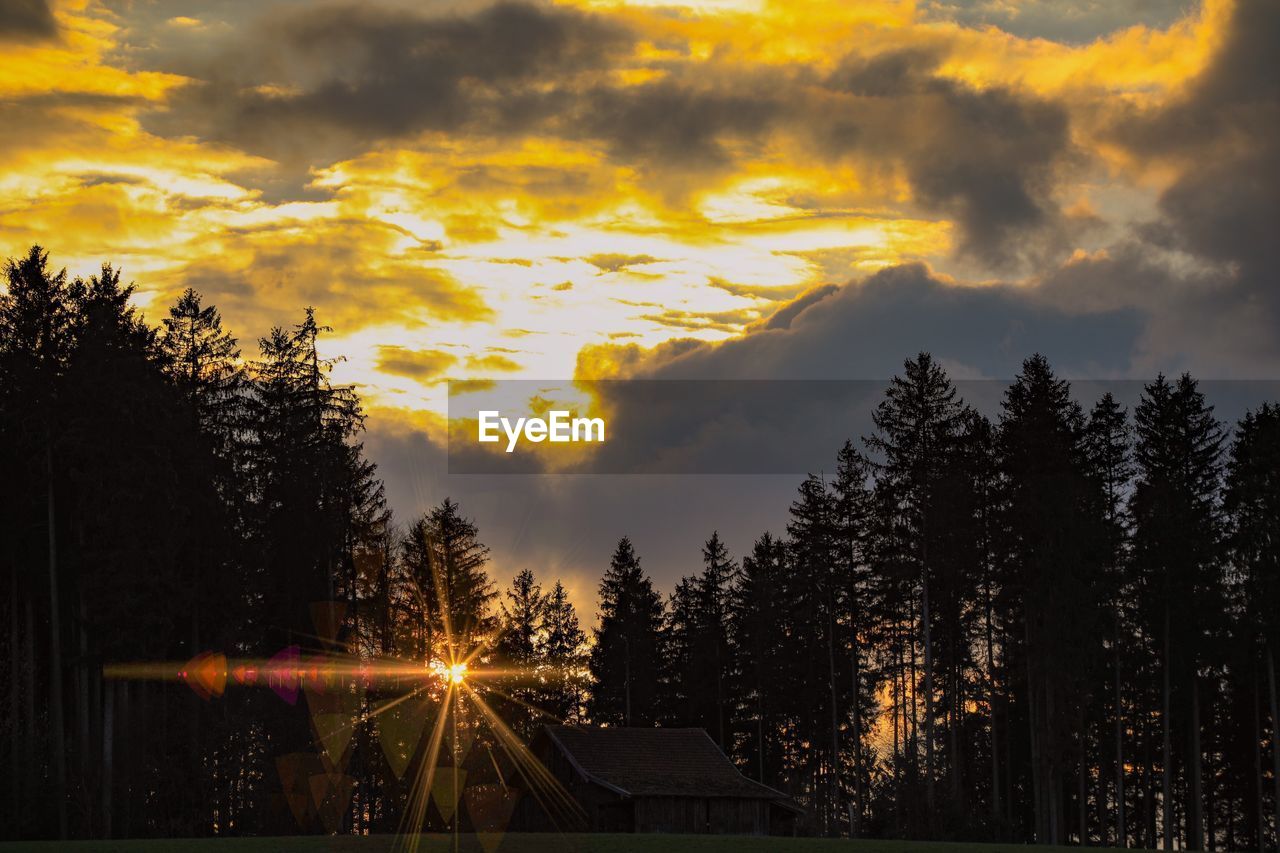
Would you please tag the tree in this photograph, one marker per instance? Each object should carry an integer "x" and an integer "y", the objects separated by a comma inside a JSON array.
[
  {"x": 853, "y": 524},
  {"x": 1177, "y": 539},
  {"x": 760, "y": 633},
  {"x": 916, "y": 424},
  {"x": 624, "y": 659},
  {"x": 447, "y": 563},
  {"x": 815, "y": 603},
  {"x": 1053, "y": 575},
  {"x": 519, "y": 648},
  {"x": 1108, "y": 441},
  {"x": 36, "y": 316},
  {"x": 204, "y": 361},
  {"x": 564, "y": 653},
  {"x": 1253, "y": 504},
  {"x": 697, "y": 643}
]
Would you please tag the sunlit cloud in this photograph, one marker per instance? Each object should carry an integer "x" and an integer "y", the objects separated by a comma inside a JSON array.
[{"x": 458, "y": 203}]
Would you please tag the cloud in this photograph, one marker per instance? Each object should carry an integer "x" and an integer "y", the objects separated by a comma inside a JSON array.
[
  {"x": 422, "y": 365},
  {"x": 782, "y": 318},
  {"x": 674, "y": 126},
  {"x": 719, "y": 321},
  {"x": 331, "y": 79},
  {"x": 772, "y": 293},
  {"x": 27, "y": 19},
  {"x": 988, "y": 157},
  {"x": 493, "y": 362},
  {"x": 1060, "y": 20},
  {"x": 1222, "y": 135},
  {"x": 352, "y": 271},
  {"x": 864, "y": 329}
]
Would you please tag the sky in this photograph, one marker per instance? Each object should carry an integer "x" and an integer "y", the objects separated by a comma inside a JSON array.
[{"x": 717, "y": 189}]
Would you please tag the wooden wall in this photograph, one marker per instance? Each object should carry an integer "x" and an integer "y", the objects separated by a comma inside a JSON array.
[{"x": 715, "y": 815}]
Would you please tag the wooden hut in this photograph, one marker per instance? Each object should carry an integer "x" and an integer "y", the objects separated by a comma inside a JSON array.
[{"x": 652, "y": 780}]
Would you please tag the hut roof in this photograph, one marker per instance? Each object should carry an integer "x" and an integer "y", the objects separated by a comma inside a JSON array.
[{"x": 652, "y": 762}]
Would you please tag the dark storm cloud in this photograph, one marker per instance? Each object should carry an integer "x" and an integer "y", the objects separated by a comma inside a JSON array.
[
  {"x": 357, "y": 73},
  {"x": 1224, "y": 134},
  {"x": 1227, "y": 131},
  {"x": 864, "y": 330},
  {"x": 670, "y": 124},
  {"x": 782, "y": 318},
  {"x": 26, "y": 19},
  {"x": 987, "y": 158}
]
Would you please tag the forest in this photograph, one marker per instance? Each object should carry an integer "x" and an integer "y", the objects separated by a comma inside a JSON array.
[{"x": 1057, "y": 625}]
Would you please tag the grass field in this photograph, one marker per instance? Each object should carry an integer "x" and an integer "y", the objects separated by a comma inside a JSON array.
[{"x": 525, "y": 843}]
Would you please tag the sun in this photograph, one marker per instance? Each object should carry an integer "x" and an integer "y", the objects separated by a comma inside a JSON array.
[
  {"x": 451, "y": 673},
  {"x": 457, "y": 673}
]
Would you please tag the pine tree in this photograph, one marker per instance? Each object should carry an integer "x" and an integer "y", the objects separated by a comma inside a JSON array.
[
  {"x": 447, "y": 563},
  {"x": 1177, "y": 540},
  {"x": 564, "y": 653},
  {"x": 519, "y": 649},
  {"x": 37, "y": 321},
  {"x": 1057, "y": 586},
  {"x": 816, "y": 600},
  {"x": 1108, "y": 440},
  {"x": 315, "y": 498},
  {"x": 853, "y": 521},
  {"x": 705, "y": 599},
  {"x": 204, "y": 361},
  {"x": 624, "y": 659},
  {"x": 677, "y": 682},
  {"x": 1253, "y": 504},
  {"x": 916, "y": 424},
  {"x": 761, "y": 634}
]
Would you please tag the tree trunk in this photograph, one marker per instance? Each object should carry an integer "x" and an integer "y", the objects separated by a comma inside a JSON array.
[
  {"x": 1257, "y": 759},
  {"x": 835, "y": 724},
  {"x": 913, "y": 738},
  {"x": 956, "y": 760},
  {"x": 83, "y": 720},
  {"x": 1121, "y": 836},
  {"x": 928, "y": 697},
  {"x": 59, "y": 754},
  {"x": 991, "y": 706},
  {"x": 1166, "y": 785},
  {"x": 760, "y": 725},
  {"x": 1196, "y": 841},
  {"x": 1148, "y": 833},
  {"x": 1037, "y": 763},
  {"x": 855, "y": 810},
  {"x": 1053, "y": 768},
  {"x": 108, "y": 747},
  {"x": 29, "y": 677},
  {"x": 15, "y": 702},
  {"x": 1082, "y": 780},
  {"x": 899, "y": 726},
  {"x": 1275, "y": 738}
]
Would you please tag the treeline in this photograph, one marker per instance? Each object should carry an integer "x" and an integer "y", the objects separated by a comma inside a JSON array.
[
  {"x": 1057, "y": 626},
  {"x": 164, "y": 496}
]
